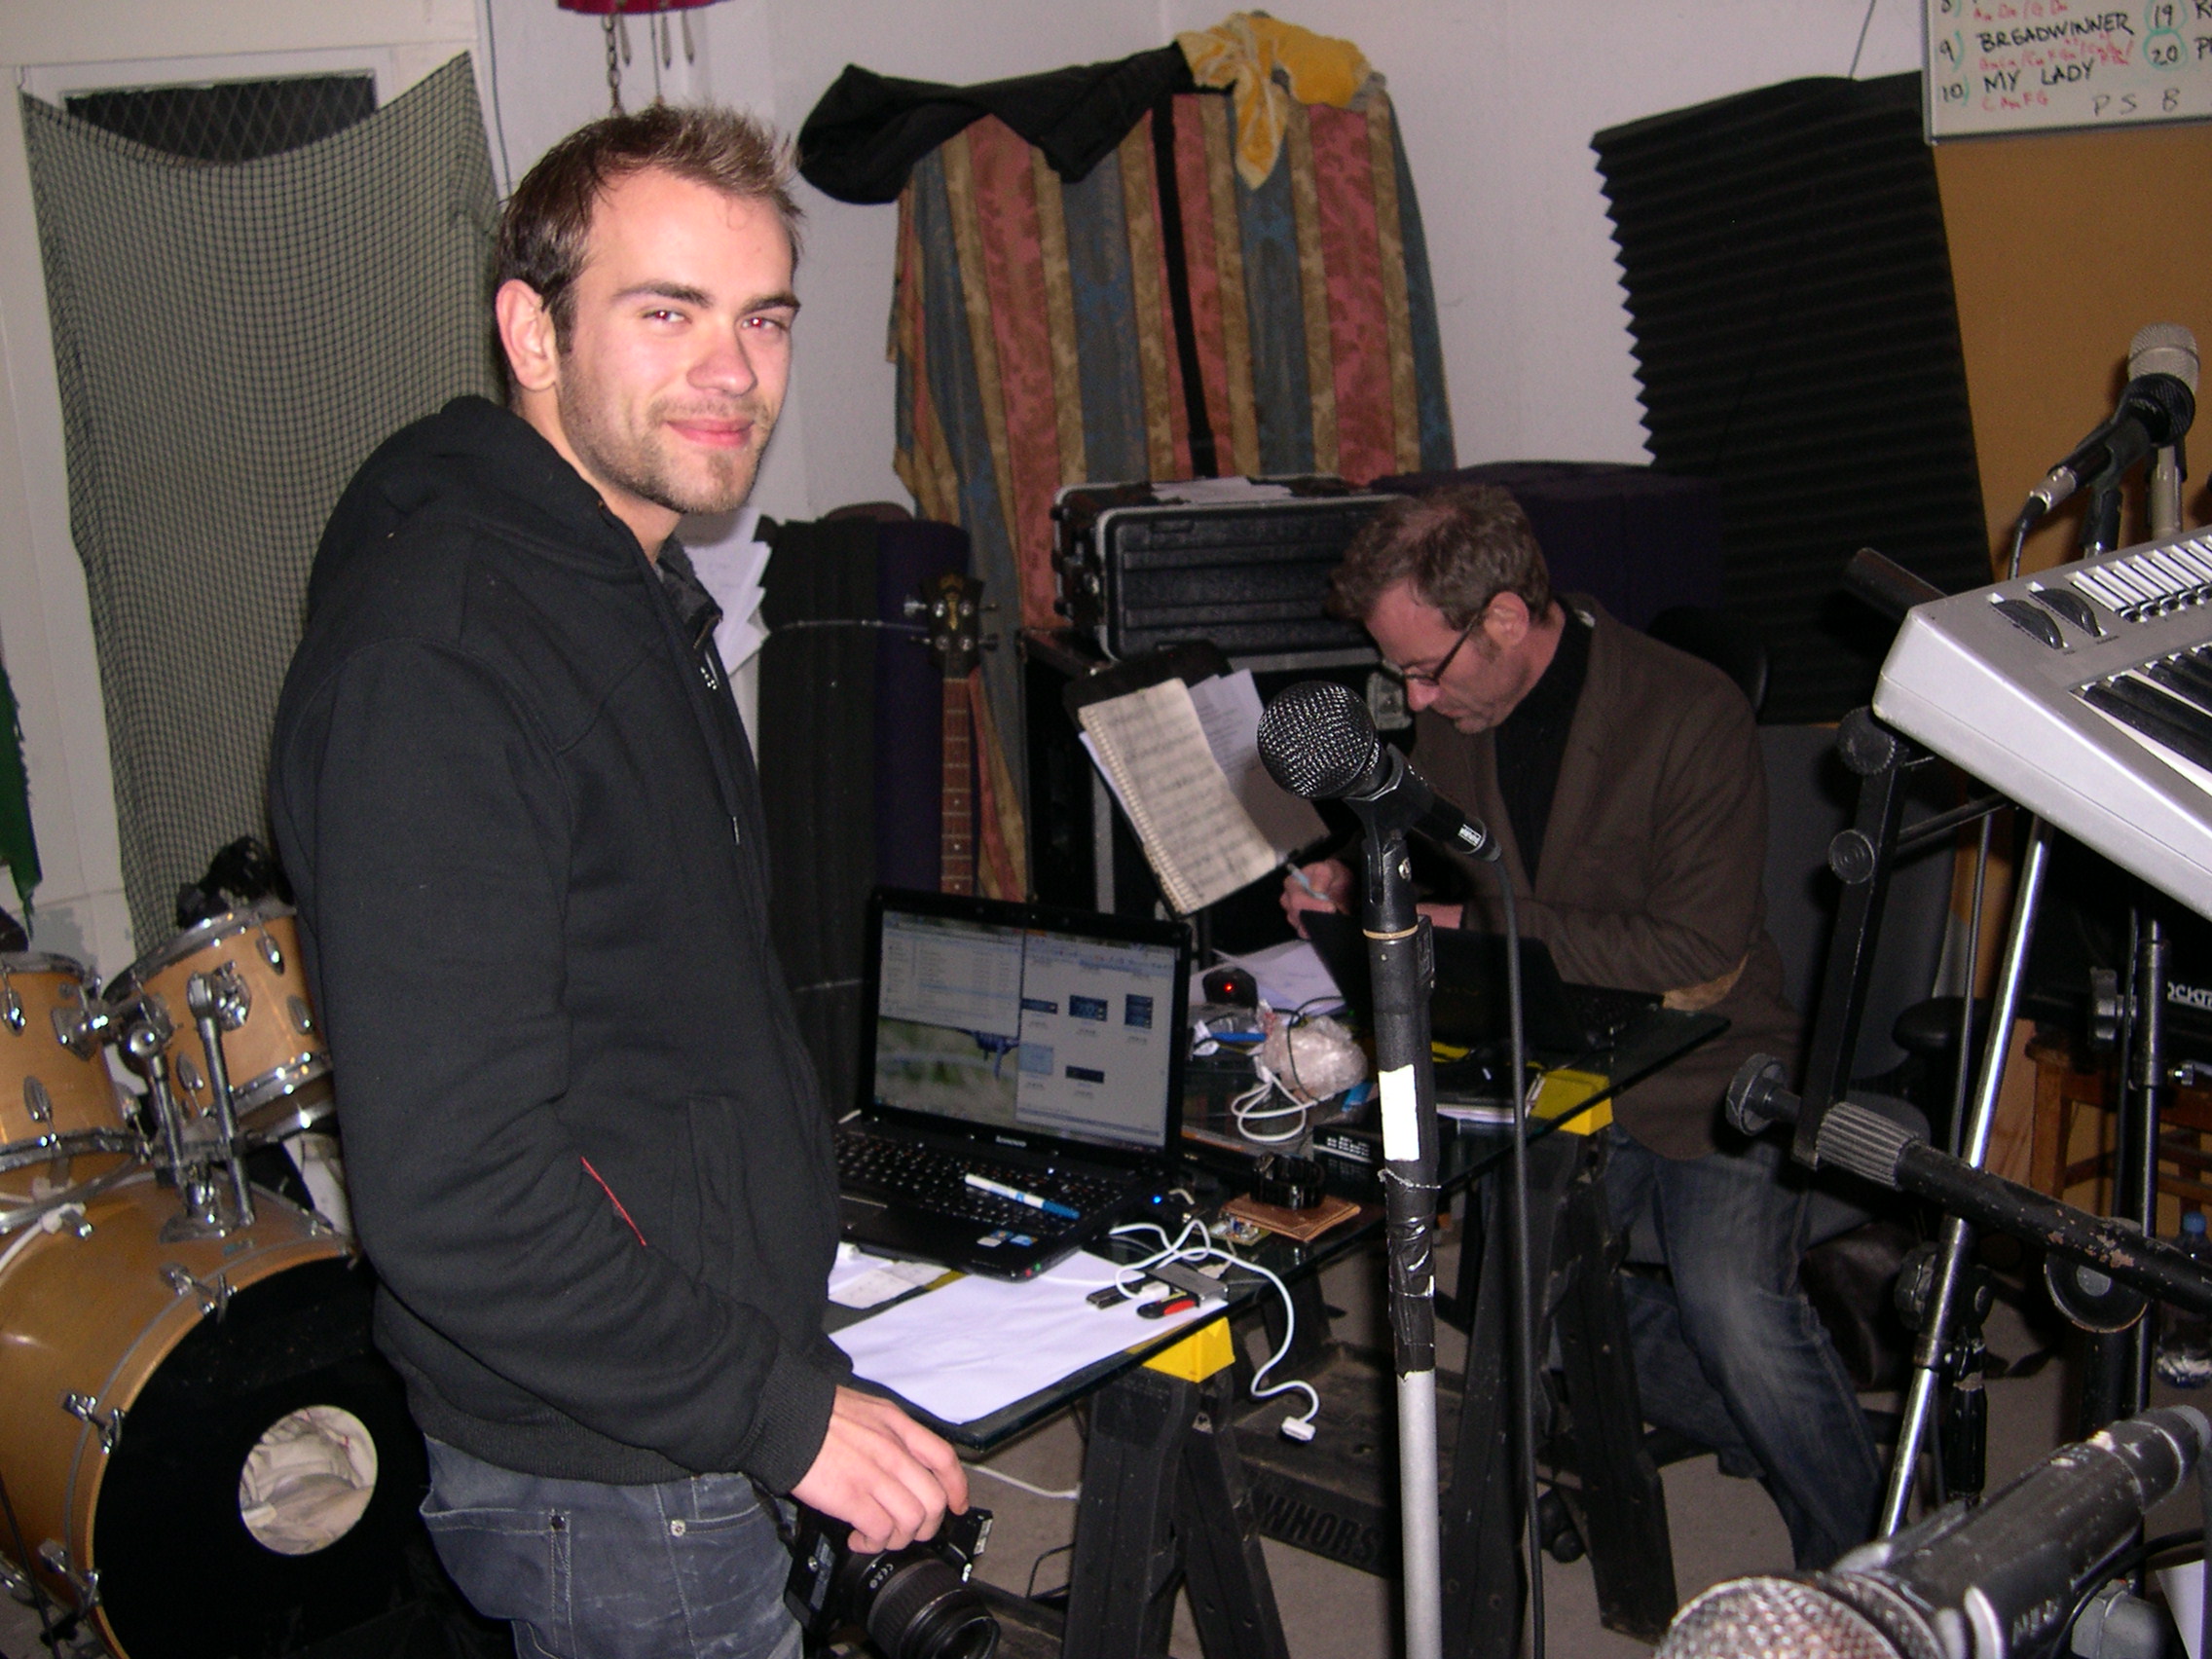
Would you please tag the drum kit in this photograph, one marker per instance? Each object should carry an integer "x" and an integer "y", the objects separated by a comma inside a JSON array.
[{"x": 198, "y": 1452}]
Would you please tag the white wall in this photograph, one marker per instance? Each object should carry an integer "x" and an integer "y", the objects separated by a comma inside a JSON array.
[{"x": 1499, "y": 100}]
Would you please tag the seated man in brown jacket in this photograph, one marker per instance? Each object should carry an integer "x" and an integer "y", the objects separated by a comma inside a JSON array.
[{"x": 1624, "y": 783}]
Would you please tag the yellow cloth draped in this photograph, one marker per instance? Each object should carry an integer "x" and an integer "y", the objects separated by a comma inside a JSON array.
[{"x": 1265, "y": 63}]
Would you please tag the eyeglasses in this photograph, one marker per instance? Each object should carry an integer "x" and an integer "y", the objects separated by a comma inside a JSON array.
[{"x": 1431, "y": 677}]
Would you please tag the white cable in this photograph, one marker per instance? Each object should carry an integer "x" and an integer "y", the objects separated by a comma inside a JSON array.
[
  {"x": 1180, "y": 1249},
  {"x": 1068, "y": 1496},
  {"x": 1246, "y": 1109}
]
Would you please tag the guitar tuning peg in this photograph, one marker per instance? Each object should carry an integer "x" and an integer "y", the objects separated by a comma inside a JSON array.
[{"x": 916, "y": 608}]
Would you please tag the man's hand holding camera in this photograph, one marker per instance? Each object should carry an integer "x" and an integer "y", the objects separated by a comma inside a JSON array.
[{"x": 891, "y": 1479}]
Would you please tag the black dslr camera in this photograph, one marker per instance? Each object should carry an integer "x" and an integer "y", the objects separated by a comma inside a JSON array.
[{"x": 914, "y": 1603}]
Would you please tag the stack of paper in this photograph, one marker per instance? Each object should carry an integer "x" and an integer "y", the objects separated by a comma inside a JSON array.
[{"x": 977, "y": 1346}]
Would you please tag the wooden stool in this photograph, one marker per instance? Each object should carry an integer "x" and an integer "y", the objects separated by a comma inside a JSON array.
[{"x": 2064, "y": 1089}]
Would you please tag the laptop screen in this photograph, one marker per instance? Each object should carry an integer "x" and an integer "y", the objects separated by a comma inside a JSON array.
[{"x": 1000, "y": 1017}]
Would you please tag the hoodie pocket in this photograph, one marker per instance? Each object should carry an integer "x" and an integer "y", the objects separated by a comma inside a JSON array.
[
  {"x": 768, "y": 1196},
  {"x": 716, "y": 1189}
]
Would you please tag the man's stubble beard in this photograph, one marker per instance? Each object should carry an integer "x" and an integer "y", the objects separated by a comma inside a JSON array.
[{"x": 635, "y": 463}]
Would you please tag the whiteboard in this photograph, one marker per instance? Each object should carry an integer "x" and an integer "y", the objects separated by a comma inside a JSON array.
[{"x": 2033, "y": 65}]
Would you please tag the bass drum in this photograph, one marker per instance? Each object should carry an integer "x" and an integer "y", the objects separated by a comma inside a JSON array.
[{"x": 198, "y": 1441}]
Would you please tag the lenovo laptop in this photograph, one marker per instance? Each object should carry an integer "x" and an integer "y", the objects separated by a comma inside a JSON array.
[{"x": 1021, "y": 1079}]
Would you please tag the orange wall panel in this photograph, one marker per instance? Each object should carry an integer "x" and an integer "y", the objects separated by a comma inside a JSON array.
[{"x": 2062, "y": 247}]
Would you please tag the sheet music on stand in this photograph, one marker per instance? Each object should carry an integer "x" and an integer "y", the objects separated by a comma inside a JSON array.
[{"x": 1183, "y": 762}]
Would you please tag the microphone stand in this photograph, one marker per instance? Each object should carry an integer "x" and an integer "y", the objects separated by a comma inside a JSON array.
[
  {"x": 2162, "y": 489},
  {"x": 2100, "y": 519},
  {"x": 1401, "y": 956}
]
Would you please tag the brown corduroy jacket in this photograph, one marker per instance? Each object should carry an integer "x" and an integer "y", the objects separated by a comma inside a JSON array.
[{"x": 1654, "y": 856}]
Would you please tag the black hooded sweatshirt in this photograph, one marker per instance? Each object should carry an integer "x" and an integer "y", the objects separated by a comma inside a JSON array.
[{"x": 586, "y": 1151}]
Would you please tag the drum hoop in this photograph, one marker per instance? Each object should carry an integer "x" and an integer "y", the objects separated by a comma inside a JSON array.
[
  {"x": 89, "y": 1437},
  {"x": 46, "y": 962},
  {"x": 19, "y": 1155},
  {"x": 80, "y": 1193},
  {"x": 190, "y": 942},
  {"x": 277, "y": 1081}
]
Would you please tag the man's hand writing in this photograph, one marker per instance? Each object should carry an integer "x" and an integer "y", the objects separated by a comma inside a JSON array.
[
  {"x": 884, "y": 1473},
  {"x": 1331, "y": 878}
]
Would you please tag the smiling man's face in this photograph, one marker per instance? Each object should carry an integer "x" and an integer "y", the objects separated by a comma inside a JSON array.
[{"x": 675, "y": 363}]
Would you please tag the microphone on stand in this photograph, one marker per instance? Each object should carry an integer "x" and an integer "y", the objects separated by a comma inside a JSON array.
[
  {"x": 1982, "y": 1583},
  {"x": 2169, "y": 348},
  {"x": 2154, "y": 410},
  {"x": 1317, "y": 740}
]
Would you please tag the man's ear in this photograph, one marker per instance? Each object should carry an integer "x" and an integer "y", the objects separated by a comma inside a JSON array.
[
  {"x": 527, "y": 335},
  {"x": 1505, "y": 622}
]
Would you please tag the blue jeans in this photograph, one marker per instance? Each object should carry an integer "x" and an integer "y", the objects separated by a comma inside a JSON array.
[
  {"x": 1730, "y": 1354},
  {"x": 686, "y": 1569}
]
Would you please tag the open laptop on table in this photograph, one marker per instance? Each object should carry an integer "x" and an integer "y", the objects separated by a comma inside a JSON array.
[
  {"x": 1560, "y": 1021},
  {"x": 1021, "y": 1079}
]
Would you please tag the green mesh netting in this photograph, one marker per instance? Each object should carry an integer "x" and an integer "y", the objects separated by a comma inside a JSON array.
[{"x": 233, "y": 340}]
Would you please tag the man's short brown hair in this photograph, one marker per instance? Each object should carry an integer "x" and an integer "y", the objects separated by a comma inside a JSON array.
[
  {"x": 547, "y": 221},
  {"x": 1460, "y": 547}
]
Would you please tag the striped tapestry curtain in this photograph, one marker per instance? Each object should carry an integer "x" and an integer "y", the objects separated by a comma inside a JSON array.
[{"x": 1051, "y": 333}]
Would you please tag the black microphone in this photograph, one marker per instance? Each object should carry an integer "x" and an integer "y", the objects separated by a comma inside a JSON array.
[
  {"x": 1978, "y": 1583},
  {"x": 1317, "y": 740},
  {"x": 2155, "y": 410}
]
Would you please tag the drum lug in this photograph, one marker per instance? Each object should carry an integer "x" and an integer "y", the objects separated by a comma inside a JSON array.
[
  {"x": 17, "y": 1583},
  {"x": 10, "y": 1005},
  {"x": 79, "y": 1029},
  {"x": 84, "y": 1585},
  {"x": 87, "y": 1407},
  {"x": 302, "y": 1018},
  {"x": 37, "y": 1102},
  {"x": 214, "y": 1293},
  {"x": 234, "y": 999},
  {"x": 271, "y": 952}
]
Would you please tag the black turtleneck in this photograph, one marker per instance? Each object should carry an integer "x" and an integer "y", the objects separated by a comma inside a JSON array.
[{"x": 1533, "y": 739}]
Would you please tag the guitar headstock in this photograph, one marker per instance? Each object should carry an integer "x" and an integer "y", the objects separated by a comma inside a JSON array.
[{"x": 954, "y": 605}]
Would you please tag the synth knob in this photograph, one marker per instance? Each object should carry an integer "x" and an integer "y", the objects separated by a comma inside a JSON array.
[
  {"x": 2070, "y": 606},
  {"x": 2034, "y": 623}
]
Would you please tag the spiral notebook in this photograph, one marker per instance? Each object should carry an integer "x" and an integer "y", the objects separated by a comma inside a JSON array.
[{"x": 1184, "y": 764}]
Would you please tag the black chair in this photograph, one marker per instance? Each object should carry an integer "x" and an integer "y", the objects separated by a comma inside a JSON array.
[{"x": 1731, "y": 645}]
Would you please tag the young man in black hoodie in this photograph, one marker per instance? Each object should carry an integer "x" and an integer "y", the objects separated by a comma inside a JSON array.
[{"x": 587, "y": 1153}]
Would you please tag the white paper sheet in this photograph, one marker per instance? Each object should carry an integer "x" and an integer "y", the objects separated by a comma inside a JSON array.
[
  {"x": 860, "y": 1281},
  {"x": 979, "y": 1345},
  {"x": 1290, "y": 975},
  {"x": 1229, "y": 711},
  {"x": 1211, "y": 489}
]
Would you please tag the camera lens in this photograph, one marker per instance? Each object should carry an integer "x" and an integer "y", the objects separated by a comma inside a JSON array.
[{"x": 925, "y": 1610}]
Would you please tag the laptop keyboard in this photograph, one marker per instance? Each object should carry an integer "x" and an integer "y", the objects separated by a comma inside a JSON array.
[{"x": 933, "y": 1178}]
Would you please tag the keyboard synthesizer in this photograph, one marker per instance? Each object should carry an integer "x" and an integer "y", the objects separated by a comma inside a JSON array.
[{"x": 2085, "y": 693}]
